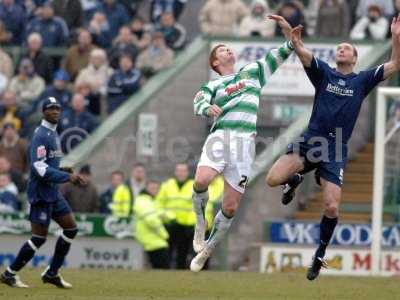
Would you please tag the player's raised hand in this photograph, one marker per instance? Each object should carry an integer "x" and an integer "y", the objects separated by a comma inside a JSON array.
[
  {"x": 77, "y": 179},
  {"x": 395, "y": 26},
  {"x": 283, "y": 24},
  {"x": 296, "y": 35},
  {"x": 214, "y": 111}
]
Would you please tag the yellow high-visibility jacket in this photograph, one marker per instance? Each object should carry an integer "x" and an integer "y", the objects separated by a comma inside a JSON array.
[
  {"x": 149, "y": 228},
  {"x": 177, "y": 202},
  {"x": 122, "y": 202}
]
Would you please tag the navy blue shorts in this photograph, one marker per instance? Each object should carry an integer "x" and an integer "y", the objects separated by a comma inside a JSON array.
[
  {"x": 326, "y": 157},
  {"x": 42, "y": 212}
]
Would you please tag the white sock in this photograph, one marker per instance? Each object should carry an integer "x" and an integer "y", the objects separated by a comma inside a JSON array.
[
  {"x": 199, "y": 205},
  {"x": 219, "y": 230}
]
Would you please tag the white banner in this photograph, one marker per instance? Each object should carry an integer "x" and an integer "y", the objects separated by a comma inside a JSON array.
[
  {"x": 85, "y": 253},
  {"x": 290, "y": 79},
  {"x": 341, "y": 261},
  {"x": 147, "y": 135}
]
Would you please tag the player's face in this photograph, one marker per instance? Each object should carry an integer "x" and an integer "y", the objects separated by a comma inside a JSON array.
[
  {"x": 345, "y": 54},
  {"x": 52, "y": 114},
  {"x": 225, "y": 56}
]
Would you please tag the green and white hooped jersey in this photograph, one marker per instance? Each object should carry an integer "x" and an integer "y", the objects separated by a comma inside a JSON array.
[{"x": 238, "y": 94}]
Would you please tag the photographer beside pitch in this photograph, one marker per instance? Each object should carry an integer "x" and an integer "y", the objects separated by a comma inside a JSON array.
[
  {"x": 46, "y": 202},
  {"x": 338, "y": 97}
]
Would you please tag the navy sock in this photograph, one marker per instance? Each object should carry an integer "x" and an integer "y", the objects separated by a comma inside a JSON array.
[
  {"x": 61, "y": 250},
  {"x": 26, "y": 253},
  {"x": 327, "y": 226},
  {"x": 294, "y": 179}
]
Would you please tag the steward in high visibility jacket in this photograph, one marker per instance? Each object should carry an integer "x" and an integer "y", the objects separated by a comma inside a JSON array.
[
  {"x": 122, "y": 202},
  {"x": 149, "y": 228}
]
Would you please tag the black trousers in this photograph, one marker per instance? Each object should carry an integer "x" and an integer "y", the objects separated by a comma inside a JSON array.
[
  {"x": 159, "y": 259},
  {"x": 180, "y": 245}
]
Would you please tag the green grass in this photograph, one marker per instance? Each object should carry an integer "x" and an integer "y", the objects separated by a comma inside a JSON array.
[{"x": 118, "y": 284}]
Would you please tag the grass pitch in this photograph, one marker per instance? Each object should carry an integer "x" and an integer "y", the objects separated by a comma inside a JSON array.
[{"x": 169, "y": 285}]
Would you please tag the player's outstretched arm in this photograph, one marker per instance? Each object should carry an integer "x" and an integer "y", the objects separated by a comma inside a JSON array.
[
  {"x": 393, "y": 65},
  {"x": 302, "y": 52}
]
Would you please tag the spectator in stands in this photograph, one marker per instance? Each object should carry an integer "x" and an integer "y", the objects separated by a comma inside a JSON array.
[
  {"x": 386, "y": 7},
  {"x": 255, "y": 23},
  {"x": 374, "y": 26},
  {"x": 333, "y": 19},
  {"x": 94, "y": 100},
  {"x": 27, "y": 85},
  {"x": 123, "y": 83},
  {"x": 100, "y": 30},
  {"x": 9, "y": 111},
  {"x": 158, "y": 7},
  {"x": 9, "y": 202},
  {"x": 97, "y": 73},
  {"x": 115, "y": 13},
  {"x": 14, "y": 19},
  {"x": 222, "y": 17},
  {"x": 82, "y": 198},
  {"x": 42, "y": 63},
  {"x": 137, "y": 181},
  {"x": 174, "y": 33},
  {"x": 156, "y": 57},
  {"x": 16, "y": 177},
  {"x": 124, "y": 44},
  {"x": 58, "y": 90},
  {"x": 53, "y": 30},
  {"x": 71, "y": 11},
  {"x": 78, "y": 118},
  {"x": 14, "y": 148},
  {"x": 77, "y": 56},
  {"x": 293, "y": 14},
  {"x": 5, "y": 35},
  {"x": 142, "y": 37},
  {"x": 117, "y": 178},
  {"x": 6, "y": 65}
]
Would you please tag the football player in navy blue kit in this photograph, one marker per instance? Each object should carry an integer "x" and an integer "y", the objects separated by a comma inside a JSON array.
[
  {"x": 339, "y": 93},
  {"x": 46, "y": 202}
]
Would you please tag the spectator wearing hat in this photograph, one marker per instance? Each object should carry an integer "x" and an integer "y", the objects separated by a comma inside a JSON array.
[
  {"x": 255, "y": 24},
  {"x": 77, "y": 56},
  {"x": 42, "y": 63},
  {"x": 58, "y": 90},
  {"x": 174, "y": 33},
  {"x": 115, "y": 13},
  {"x": 53, "y": 29},
  {"x": 78, "y": 120},
  {"x": 156, "y": 57},
  {"x": 123, "y": 83},
  {"x": 14, "y": 148},
  {"x": 9, "y": 202},
  {"x": 14, "y": 19},
  {"x": 124, "y": 44},
  {"x": 27, "y": 85},
  {"x": 9, "y": 111},
  {"x": 82, "y": 198},
  {"x": 100, "y": 30},
  {"x": 374, "y": 26}
]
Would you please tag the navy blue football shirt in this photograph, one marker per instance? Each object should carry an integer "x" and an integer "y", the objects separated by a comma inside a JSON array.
[{"x": 338, "y": 97}]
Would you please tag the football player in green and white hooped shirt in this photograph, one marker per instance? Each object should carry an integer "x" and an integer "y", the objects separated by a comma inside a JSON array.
[{"x": 232, "y": 100}]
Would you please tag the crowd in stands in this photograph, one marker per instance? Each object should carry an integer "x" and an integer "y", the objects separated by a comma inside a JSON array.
[
  {"x": 108, "y": 51},
  {"x": 357, "y": 19}
]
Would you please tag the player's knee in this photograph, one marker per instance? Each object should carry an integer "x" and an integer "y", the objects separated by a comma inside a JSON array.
[
  {"x": 69, "y": 234},
  {"x": 229, "y": 209},
  {"x": 200, "y": 184},
  {"x": 37, "y": 241},
  {"x": 272, "y": 180},
  {"x": 331, "y": 210}
]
